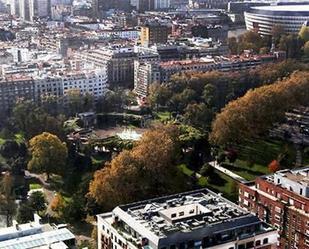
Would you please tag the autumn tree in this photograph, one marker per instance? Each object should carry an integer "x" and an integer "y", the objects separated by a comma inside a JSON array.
[
  {"x": 48, "y": 154},
  {"x": 273, "y": 166},
  {"x": 58, "y": 204},
  {"x": 254, "y": 113},
  {"x": 148, "y": 170},
  {"x": 304, "y": 33}
]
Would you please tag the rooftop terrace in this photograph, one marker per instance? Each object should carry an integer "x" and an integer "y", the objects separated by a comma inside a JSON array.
[{"x": 181, "y": 213}]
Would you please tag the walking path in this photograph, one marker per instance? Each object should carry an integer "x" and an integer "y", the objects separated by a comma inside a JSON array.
[
  {"x": 227, "y": 172},
  {"x": 49, "y": 194}
]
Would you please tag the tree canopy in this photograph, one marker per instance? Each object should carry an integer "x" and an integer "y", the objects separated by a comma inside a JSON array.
[
  {"x": 255, "y": 112},
  {"x": 147, "y": 170},
  {"x": 48, "y": 154}
]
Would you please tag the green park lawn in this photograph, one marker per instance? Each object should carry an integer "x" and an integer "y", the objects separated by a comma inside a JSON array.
[
  {"x": 247, "y": 170},
  {"x": 163, "y": 116},
  {"x": 34, "y": 186},
  {"x": 217, "y": 182},
  {"x": 263, "y": 151},
  {"x": 255, "y": 156}
]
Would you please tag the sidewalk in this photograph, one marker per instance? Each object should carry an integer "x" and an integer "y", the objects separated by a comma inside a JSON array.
[{"x": 227, "y": 172}]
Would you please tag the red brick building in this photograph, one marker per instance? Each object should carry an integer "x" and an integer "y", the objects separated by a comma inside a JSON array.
[{"x": 281, "y": 199}]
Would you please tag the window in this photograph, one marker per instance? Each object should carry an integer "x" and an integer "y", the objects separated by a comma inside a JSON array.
[
  {"x": 181, "y": 213},
  {"x": 250, "y": 244},
  {"x": 173, "y": 215},
  {"x": 265, "y": 241},
  {"x": 257, "y": 243},
  {"x": 242, "y": 246}
]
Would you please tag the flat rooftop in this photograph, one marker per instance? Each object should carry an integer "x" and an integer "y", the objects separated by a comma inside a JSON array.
[
  {"x": 300, "y": 176},
  {"x": 39, "y": 240},
  {"x": 183, "y": 212},
  {"x": 287, "y": 8}
]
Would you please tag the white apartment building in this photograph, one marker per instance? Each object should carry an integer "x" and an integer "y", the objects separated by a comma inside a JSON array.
[
  {"x": 191, "y": 220},
  {"x": 92, "y": 82}
]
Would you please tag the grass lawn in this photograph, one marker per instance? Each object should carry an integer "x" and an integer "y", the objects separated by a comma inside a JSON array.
[
  {"x": 19, "y": 138},
  {"x": 263, "y": 151},
  {"x": 247, "y": 170},
  {"x": 163, "y": 116},
  {"x": 217, "y": 182},
  {"x": 2, "y": 141},
  {"x": 34, "y": 186}
]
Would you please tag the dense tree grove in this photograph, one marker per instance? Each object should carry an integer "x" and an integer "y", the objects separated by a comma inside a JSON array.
[
  {"x": 255, "y": 112},
  {"x": 148, "y": 170},
  {"x": 290, "y": 43},
  {"x": 198, "y": 96}
]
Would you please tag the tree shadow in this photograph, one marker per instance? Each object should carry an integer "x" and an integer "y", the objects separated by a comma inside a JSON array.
[
  {"x": 239, "y": 169},
  {"x": 216, "y": 179}
]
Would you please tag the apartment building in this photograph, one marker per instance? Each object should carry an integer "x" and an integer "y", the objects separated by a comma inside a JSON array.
[
  {"x": 118, "y": 60},
  {"x": 14, "y": 88},
  {"x": 154, "y": 33},
  {"x": 162, "y": 72},
  {"x": 281, "y": 199},
  {"x": 196, "y": 219},
  {"x": 17, "y": 86},
  {"x": 92, "y": 82}
]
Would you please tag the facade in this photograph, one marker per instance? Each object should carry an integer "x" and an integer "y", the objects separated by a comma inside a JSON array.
[
  {"x": 93, "y": 83},
  {"x": 14, "y": 7},
  {"x": 281, "y": 199},
  {"x": 162, "y": 4},
  {"x": 38, "y": 9},
  {"x": 24, "y": 12},
  {"x": 36, "y": 235},
  {"x": 145, "y": 74},
  {"x": 196, "y": 219},
  {"x": 160, "y": 72},
  {"x": 14, "y": 88},
  {"x": 145, "y": 5},
  {"x": 263, "y": 18},
  {"x": 154, "y": 34},
  {"x": 99, "y": 6},
  {"x": 119, "y": 63}
]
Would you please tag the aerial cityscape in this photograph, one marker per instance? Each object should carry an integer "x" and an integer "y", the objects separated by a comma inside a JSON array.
[{"x": 154, "y": 124}]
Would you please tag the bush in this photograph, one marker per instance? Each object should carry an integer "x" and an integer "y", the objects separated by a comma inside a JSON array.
[{"x": 207, "y": 170}]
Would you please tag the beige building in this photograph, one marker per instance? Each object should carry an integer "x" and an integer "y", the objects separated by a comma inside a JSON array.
[{"x": 153, "y": 34}]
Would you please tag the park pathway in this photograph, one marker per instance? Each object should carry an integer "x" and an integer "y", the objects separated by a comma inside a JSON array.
[{"x": 227, "y": 172}]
